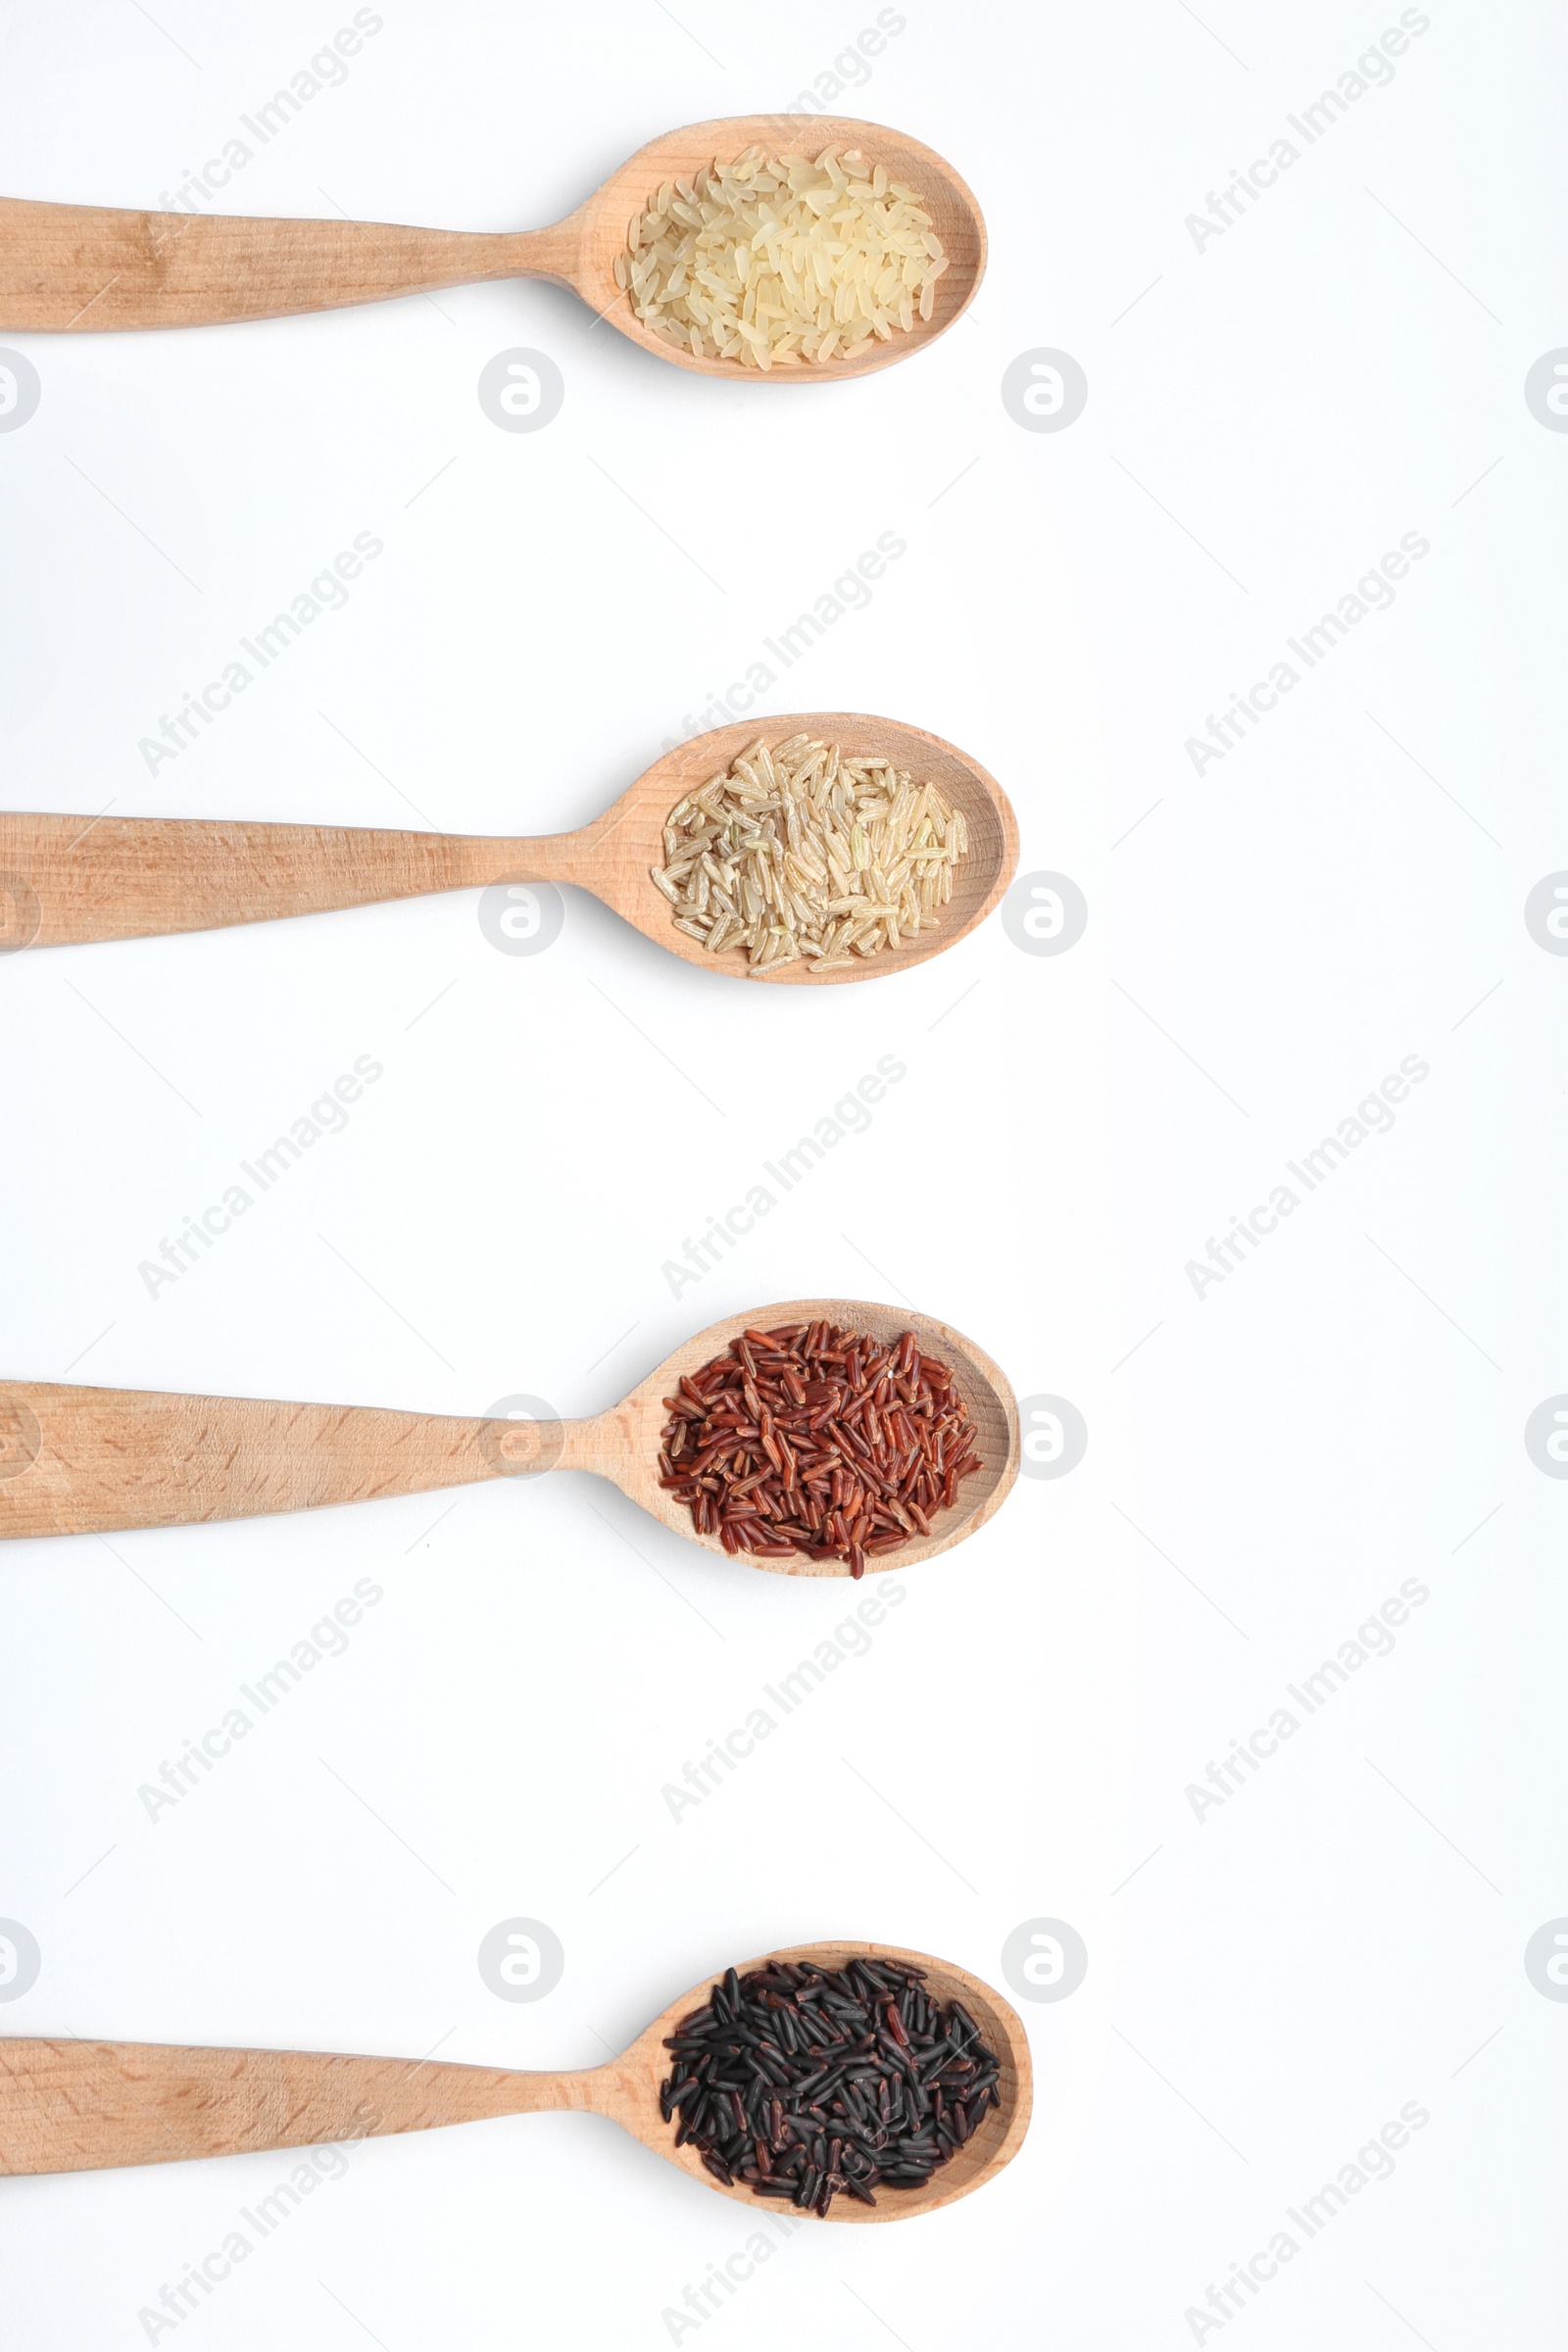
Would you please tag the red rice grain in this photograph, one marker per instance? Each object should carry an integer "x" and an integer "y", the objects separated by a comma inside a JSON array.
[{"x": 814, "y": 1440}]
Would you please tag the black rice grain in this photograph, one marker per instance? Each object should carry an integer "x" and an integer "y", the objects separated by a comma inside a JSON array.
[{"x": 913, "y": 2082}]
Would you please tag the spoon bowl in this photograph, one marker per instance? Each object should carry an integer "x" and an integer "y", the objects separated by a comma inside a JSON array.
[
  {"x": 88, "y": 1461},
  {"x": 86, "y": 269},
  {"x": 607, "y": 217},
  {"x": 983, "y": 1387},
  {"x": 81, "y": 2106},
  {"x": 67, "y": 880},
  {"x": 980, "y": 881},
  {"x": 647, "y": 2064}
]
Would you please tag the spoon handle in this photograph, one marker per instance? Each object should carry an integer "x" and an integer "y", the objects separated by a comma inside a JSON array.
[
  {"x": 82, "y": 267},
  {"x": 78, "y": 2106},
  {"x": 67, "y": 879},
  {"x": 83, "y": 1461}
]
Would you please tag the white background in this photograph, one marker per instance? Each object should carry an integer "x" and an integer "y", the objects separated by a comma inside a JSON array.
[{"x": 1267, "y": 415}]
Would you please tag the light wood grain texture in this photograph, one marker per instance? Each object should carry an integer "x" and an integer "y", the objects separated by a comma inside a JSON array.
[
  {"x": 80, "y": 2106},
  {"x": 66, "y": 880},
  {"x": 83, "y": 269},
  {"x": 85, "y": 1461}
]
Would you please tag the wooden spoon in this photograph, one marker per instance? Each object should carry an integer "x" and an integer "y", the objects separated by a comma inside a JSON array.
[
  {"x": 84, "y": 268},
  {"x": 69, "y": 879},
  {"x": 80, "y": 2106},
  {"x": 82, "y": 1461}
]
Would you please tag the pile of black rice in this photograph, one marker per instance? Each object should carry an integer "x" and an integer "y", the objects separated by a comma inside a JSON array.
[{"x": 802, "y": 2081}]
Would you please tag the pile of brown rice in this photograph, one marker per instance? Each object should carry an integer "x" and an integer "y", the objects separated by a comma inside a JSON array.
[
  {"x": 770, "y": 261},
  {"x": 798, "y": 850}
]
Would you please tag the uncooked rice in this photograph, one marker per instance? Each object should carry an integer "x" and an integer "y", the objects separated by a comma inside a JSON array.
[
  {"x": 803, "y": 851},
  {"x": 769, "y": 260}
]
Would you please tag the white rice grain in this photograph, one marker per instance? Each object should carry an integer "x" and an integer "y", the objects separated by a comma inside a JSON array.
[{"x": 770, "y": 261}]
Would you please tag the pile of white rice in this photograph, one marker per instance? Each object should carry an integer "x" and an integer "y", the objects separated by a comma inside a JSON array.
[
  {"x": 800, "y": 851},
  {"x": 775, "y": 260}
]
